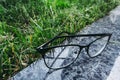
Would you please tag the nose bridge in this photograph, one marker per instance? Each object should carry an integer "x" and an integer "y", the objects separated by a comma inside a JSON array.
[
  {"x": 83, "y": 51},
  {"x": 82, "y": 47}
]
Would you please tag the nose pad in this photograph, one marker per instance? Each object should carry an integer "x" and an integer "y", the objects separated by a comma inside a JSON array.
[
  {"x": 86, "y": 49},
  {"x": 75, "y": 52},
  {"x": 87, "y": 52}
]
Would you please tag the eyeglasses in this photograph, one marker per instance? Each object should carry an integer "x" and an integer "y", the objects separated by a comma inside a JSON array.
[{"x": 60, "y": 52}]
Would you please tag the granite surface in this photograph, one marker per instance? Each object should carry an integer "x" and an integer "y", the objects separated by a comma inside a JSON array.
[{"x": 84, "y": 68}]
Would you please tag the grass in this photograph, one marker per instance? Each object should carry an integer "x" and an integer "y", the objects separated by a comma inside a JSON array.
[{"x": 26, "y": 24}]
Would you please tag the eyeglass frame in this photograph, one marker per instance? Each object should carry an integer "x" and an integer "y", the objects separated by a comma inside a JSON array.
[{"x": 43, "y": 48}]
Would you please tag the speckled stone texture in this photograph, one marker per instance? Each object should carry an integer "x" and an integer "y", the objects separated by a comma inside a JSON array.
[{"x": 84, "y": 68}]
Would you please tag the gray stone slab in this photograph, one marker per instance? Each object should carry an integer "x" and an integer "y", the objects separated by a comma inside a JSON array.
[
  {"x": 84, "y": 68},
  {"x": 97, "y": 68}
]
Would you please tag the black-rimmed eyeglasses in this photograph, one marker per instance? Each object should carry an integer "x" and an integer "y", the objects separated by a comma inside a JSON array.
[{"x": 63, "y": 55}]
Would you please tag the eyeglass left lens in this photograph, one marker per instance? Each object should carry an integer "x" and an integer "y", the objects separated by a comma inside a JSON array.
[
  {"x": 97, "y": 47},
  {"x": 61, "y": 56}
]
